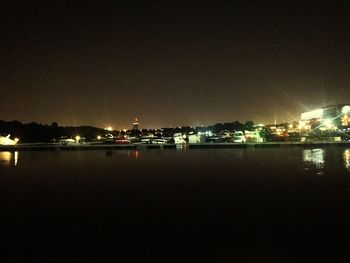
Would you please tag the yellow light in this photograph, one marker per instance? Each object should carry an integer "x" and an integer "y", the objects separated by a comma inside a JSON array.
[
  {"x": 303, "y": 125},
  {"x": 109, "y": 128},
  {"x": 5, "y": 158},
  {"x": 99, "y": 137},
  {"x": 345, "y": 120},
  {"x": 328, "y": 123},
  {"x": 77, "y": 138},
  {"x": 7, "y": 141}
]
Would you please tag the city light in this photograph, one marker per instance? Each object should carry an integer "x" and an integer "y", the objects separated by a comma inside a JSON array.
[
  {"x": 77, "y": 138},
  {"x": 5, "y": 158},
  {"x": 7, "y": 140},
  {"x": 9, "y": 158},
  {"x": 109, "y": 128},
  {"x": 16, "y": 158},
  {"x": 345, "y": 121},
  {"x": 345, "y": 109},
  {"x": 315, "y": 114},
  {"x": 328, "y": 123},
  {"x": 315, "y": 157}
]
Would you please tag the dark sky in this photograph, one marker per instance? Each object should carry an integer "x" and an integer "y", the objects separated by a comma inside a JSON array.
[{"x": 171, "y": 64}]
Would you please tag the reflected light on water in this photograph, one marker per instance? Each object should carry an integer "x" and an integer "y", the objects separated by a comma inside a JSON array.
[
  {"x": 8, "y": 158},
  {"x": 181, "y": 147},
  {"x": 133, "y": 154},
  {"x": 316, "y": 157},
  {"x": 16, "y": 158},
  {"x": 5, "y": 158},
  {"x": 346, "y": 158}
]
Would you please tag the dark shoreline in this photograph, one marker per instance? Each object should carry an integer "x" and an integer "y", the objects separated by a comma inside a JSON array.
[{"x": 55, "y": 147}]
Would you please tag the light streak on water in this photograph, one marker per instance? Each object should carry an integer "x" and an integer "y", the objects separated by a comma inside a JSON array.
[
  {"x": 315, "y": 157},
  {"x": 346, "y": 158},
  {"x": 9, "y": 158},
  {"x": 5, "y": 158}
]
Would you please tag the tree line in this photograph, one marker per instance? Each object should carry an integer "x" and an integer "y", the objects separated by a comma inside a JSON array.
[{"x": 36, "y": 132}]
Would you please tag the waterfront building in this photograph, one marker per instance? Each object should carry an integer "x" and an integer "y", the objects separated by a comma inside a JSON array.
[
  {"x": 6, "y": 140},
  {"x": 329, "y": 118}
]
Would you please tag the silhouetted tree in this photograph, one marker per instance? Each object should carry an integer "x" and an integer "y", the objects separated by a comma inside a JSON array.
[
  {"x": 54, "y": 125},
  {"x": 249, "y": 125}
]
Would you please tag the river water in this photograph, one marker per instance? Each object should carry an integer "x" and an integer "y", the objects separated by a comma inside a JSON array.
[{"x": 283, "y": 204}]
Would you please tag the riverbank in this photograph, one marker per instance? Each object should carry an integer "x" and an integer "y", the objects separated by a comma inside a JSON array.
[{"x": 54, "y": 147}]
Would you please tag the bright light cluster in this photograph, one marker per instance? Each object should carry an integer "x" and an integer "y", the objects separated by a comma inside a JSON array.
[
  {"x": 328, "y": 123},
  {"x": 7, "y": 141},
  {"x": 315, "y": 114},
  {"x": 345, "y": 110}
]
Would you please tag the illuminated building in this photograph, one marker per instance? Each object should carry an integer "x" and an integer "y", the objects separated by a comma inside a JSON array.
[
  {"x": 135, "y": 125},
  {"x": 7, "y": 141},
  {"x": 328, "y": 118}
]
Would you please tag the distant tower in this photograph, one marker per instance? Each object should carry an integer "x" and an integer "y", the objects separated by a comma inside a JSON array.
[{"x": 135, "y": 125}]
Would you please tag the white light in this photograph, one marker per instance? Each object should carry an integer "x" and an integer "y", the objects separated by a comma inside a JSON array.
[
  {"x": 315, "y": 157},
  {"x": 16, "y": 158},
  {"x": 303, "y": 125},
  {"x": 99, "y": 137},
  {"x": 77, "y": 138},
  {"x": 345, "y": 109},
  {"x": 109, "y": 128},
  {"x": 328, "y": 123},
  {"x": 7, "y": 141},
  {"x": 208, "y": 133},
  {"x": 315, "y": 114}
]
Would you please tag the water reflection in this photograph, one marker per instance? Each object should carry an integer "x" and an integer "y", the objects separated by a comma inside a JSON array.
[
  {"x": 134, "y": 154},
  {"x": 181, "y": 147},
  {"x": 8, "y": 158},
  {"x": 315, "y": 157},
  {"x": 346, "y": 158},
  {"x": 15, "y": 158},
  {"x": 137, "y": 154}
]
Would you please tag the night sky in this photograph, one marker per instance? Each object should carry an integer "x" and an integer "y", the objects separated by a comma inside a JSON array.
[{"x": 171, "y": 64}]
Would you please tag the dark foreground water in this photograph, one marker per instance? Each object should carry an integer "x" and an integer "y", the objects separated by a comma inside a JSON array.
[{"x": 229, "y": 205}]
